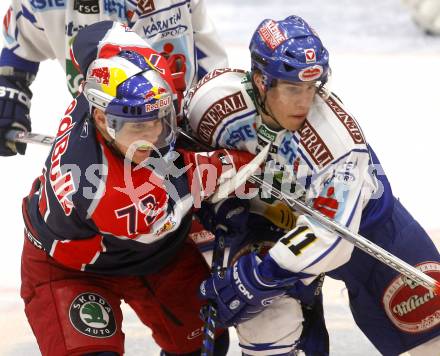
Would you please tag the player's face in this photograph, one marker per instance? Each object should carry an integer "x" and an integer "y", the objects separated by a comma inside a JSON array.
[
  {"x": 290, "y": 103},
  {"x": 136, "y": 139}
]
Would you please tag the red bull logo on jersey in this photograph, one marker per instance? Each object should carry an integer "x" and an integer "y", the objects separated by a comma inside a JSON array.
[
  {"x": 101, "y": 75},
  {"x": 411, "y": 307},
  {"x": 62, "y": 183},
  {"x": 168, "y": 226},
  {"x": 271, "y": 34}
]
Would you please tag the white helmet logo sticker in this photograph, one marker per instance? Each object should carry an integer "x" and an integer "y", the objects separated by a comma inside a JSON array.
[
  {"x": 158, "y": 104},
  {"x": 271, "y": 34},
  {"x": 310, "y": 73},
  {"x": 310, "y": 55}
]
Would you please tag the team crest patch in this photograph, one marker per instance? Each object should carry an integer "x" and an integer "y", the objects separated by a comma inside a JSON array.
[
  {"x": 411, "y": 307},
  {"x": 146, "y": 6},
  {"x": 91, "y": 315}
]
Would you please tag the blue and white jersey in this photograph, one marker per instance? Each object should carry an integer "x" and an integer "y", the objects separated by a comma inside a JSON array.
[
  {"x": 35, "y": 30},
  {"x": 326, "y": 163}
]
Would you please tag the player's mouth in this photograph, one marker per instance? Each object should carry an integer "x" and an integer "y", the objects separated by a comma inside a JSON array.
[
  {"x": 144, "y": 147},
  {"x": 298, "y": 117}
]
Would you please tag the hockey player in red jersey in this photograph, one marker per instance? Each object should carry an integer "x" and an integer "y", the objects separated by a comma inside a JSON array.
[{"x": 108, "y": 218}]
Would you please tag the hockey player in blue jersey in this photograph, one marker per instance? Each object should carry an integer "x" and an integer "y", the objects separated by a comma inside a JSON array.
[{"x": 319, "y": 154}]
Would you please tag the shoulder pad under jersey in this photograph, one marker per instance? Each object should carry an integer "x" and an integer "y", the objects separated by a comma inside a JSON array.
[
  {"x": 220, "y": 97},
  {"x": 331, "y": 126}
]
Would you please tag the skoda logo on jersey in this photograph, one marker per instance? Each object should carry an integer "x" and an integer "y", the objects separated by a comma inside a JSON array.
[
  {"x": 91, "y": 315},
  {"x": 86, "y": 6}
]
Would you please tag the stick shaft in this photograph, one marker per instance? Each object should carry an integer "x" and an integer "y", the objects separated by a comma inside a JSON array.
[
  {"x": 29, "y": 137},
  {"x": 216, "y": 267},
  {"x": 359, "y": 241}
]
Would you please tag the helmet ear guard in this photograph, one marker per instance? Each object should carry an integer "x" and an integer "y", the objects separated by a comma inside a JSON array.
[
  {"x": 266, "y": 83},
  {"x": 97, "y": 98}
]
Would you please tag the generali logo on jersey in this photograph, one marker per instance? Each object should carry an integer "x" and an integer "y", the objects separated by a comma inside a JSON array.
[
  {"x": 314, "y": 145},
  {"x": 271, "y": 34},
  {"x": 349, "y": 123},
  {"x": 411, "y": 307},
  {"x": 217, "y": 112}
]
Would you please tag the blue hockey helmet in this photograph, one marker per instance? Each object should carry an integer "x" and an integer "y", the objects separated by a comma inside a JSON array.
[
  {"x": 290, "y": 50},
  {"x": 134, "y": 96}
]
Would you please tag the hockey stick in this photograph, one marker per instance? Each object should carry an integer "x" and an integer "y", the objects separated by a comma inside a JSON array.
[
  {"x": 242, "y": 176},
  {"x": 29, "y": 137},
  {"x": 210, "y": 312},
  {"x": 359, "y": 241},
  {"x": 222, "y": 192}
]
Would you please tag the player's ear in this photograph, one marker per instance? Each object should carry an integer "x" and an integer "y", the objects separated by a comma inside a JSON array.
[
  {"x": 100, "y": 119},
  {"x": 259, "y": 82}
]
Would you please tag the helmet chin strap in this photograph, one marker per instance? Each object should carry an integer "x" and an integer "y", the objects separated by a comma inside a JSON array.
[{"x": 261, "y": 102}]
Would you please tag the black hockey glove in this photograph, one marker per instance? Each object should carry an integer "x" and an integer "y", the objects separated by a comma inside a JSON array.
[
  {"x": 232, "y": 213},
  {"x": 15, "y": 102}
]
